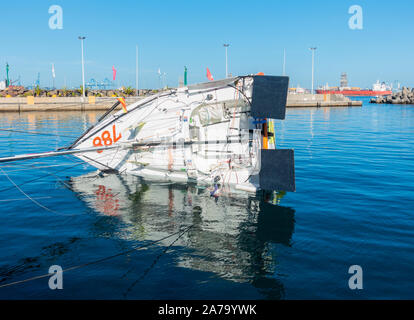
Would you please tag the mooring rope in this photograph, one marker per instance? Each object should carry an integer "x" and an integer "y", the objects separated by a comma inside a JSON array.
[
  {"x": 25, "y": 194},
  {"x": 32, "y": 199},
  {"x": 58, "y": 171},
  {"x": 102, "y": 259},
  {"x": 155, "y": 261},
  {"x": 30, "y": 167},
  {"x": 21, "y": 199}
]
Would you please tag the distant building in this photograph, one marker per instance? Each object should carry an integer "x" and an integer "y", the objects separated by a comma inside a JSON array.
[
  {"x": 3, "y": 85},
  {"x": 344, "y": 80}
]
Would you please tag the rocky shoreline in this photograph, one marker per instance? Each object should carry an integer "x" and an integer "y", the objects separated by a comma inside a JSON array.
[
  {"x": 405, "y": 96},
  {"x": 20, "y": 91}
]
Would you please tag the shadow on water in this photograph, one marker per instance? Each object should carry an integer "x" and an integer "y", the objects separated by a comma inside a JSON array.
[
  {"x": 48, "y": 255},
  {"x": 232, "y": 236}
]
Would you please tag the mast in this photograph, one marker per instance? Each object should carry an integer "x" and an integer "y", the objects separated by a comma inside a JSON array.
[
  {"x": 226, "y": 45},
  {"x": 83, "y": 70}
]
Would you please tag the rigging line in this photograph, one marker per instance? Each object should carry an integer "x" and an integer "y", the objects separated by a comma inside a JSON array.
[
  {"x": 248, "y": 100},
  {"x": 47, "y": 175},
  {"x": 25, "y": 194},
  {"x": 72, "y": 159},
  {"x": 28, "y": 159},
  {"x": 41, "y": 166},
  {"x": 38, "y": 133},
  {"x": 156, "y": 261},
  {"x": 115, "y": 153},
  {"x": 39, "y": 162},
  {"x": 56, "y": 176},
  {"x": 20, "y": 199},
  {"x": 41, "y": 177},
  {"x": 92, "y": 126},
  {"x": 19, "y": 168},
  {"x": 31, "y": 167},
  {"x": 95, "y": 261},
  {"x": 98, "y": 162}
]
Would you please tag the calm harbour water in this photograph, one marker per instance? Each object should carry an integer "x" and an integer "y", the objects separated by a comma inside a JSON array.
[{"x": 353, "y": 206}]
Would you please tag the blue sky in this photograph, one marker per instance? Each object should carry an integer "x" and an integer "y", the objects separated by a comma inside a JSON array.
[{"x": 172, "y": 34}]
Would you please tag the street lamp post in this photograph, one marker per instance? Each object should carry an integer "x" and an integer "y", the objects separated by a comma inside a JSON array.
[
  {"x": 136, "y": 71},
  {"x": 83, "y": 69},
  {"x": 313, "y": 65},
  {"x": 226, "y": 45}
]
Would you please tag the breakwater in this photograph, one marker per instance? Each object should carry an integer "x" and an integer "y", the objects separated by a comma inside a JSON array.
[{"x": 405, "y": 96}]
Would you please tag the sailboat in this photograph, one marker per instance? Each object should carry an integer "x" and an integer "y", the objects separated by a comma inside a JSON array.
[{"x": 215, "y": 133}]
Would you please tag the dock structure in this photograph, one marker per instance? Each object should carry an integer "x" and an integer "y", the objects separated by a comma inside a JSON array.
[
  {"x": 320, "y": 100},
  {"x": 92, "y": 103},
  {"x": 30, "y": 103}
]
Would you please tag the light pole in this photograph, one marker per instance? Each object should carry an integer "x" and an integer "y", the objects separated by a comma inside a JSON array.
[
  {"x": 226, "y": 45},
  {"x": 136, "y": 71},
  {"x": 284, "y": 62},
  {"x": 313, "y": 64},
  {"x": 83, "y": 69}
]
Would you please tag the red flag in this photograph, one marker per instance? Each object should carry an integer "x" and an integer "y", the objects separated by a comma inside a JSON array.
[
  {"x": 113, "y": 73},
  {"x": 209, "y": 76}
]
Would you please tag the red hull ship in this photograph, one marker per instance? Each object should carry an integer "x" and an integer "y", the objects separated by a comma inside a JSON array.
[
  {"x": 378, "y": 89},
  {"x": 356, "y": 93}
]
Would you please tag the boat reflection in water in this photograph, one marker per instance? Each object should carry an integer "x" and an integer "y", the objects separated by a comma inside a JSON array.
[{"x": 234, "y": 234}]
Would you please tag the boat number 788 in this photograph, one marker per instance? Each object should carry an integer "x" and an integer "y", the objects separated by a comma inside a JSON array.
[{"x": 106, "y": 139}]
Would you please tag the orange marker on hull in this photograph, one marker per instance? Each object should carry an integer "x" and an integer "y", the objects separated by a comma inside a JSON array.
[{"x": 122, "y": 101}]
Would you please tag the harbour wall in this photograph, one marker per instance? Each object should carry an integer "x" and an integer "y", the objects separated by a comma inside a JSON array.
[
  {"x": 91, "y": 103},
  {"x": 320, "y": 100},
  {"x": 23, "y": 104}
]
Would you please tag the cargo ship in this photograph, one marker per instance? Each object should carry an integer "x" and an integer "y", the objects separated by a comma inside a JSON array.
[{"x": 378, "y": 89}]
